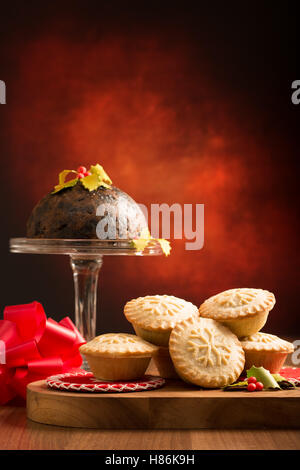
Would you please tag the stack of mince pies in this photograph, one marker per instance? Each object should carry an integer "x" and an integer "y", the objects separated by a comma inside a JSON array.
[
  {"x": 245, "y": 311},
  {"x": 153, "y": 318},
  {"x": 208, "y": 347}
]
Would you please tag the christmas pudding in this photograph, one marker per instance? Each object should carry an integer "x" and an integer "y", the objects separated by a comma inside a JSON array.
[{"x": 86, "y": 206}]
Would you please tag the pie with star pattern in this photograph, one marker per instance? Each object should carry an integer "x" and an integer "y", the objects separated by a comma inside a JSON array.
[
  {"x": 118, "y": 345},
  {"x": 154, "y": 316},
  {"x": 206, "y": 353},
  {"x": 265, "y": 350},
  {"x": 243, "y": 310},
  {"x": 118, "y": 356}
]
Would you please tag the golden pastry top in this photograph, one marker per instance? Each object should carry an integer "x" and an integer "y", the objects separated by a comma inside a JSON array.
[
  {"x": 266, "y": 342},
  {"x": 207, "y": 348},
  {"x": 158, "y": 312},
  {"x": 237, "y": 303},
  {"x": 118, "y": 345},
  {"x": 206, "y": 352}
]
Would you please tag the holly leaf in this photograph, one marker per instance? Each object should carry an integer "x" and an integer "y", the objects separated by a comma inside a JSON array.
[
  {"x": 236, "y": 386},
  {"x": 92, "y": 182},
  {"x": 63, "y": 174},
  {"x": 101, "y": 173},
  {"x": 284, "y": 382},
  {"x": 264, "y": 376},
  {"x": 145, "y": 237},
  {"x": 278, "y": 377},
  {"x": 165, "y": 246},
  {"x": 62, "y": 184},
  {"x": 140, "y": 243},
  {"x": 97, "y": 178}
]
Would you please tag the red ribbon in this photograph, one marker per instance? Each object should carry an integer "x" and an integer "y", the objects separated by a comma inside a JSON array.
[{"x": 35, "y": 347}]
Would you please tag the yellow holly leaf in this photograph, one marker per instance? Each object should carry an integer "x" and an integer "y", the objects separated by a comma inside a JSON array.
[
  {"x": 140, "y": 243},
  {"x": 63, "y": 174},
  {"x": 68, "y": 184},
  {"x": 145, "y": 237},
  {"x": 165, "y": 246},
  {"x": 101, "y": 173},
  {"x": 91, "y": 182},
  {"x": 62, "y": 181}
]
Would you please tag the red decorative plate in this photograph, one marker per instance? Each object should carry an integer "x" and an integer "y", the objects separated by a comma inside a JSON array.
[
  {"x": 292, "y": 373},
  {"x": 86, "y": 382}
]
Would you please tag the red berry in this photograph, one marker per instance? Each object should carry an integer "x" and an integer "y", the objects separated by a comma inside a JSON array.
[
  {"x": 259, "y": 386},
  {"x": 80, "y": 175},
  {"x": 81, "y": 169},
  {"x": 252, "y": 380},
  {"x": 87, "y": 173},
  {"x": 251, "y": 387}
]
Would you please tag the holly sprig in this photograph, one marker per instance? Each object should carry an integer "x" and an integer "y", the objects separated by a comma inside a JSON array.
[
  {"x": 145, "y": 238},
  {"x": 91, "y": 179},
  {"x": 258, "y": 379}
]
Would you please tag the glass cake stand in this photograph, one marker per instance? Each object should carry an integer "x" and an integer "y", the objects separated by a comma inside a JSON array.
[{"x": 86, "y": 257}]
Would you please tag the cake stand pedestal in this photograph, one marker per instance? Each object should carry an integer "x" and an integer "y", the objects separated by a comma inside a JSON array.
[{"x": 86, "y": 258}]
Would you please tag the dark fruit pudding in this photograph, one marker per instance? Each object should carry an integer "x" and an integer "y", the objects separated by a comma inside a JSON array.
[{"x": 71, "y": 210}]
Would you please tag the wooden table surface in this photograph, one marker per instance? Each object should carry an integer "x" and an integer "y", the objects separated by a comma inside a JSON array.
[{"x": 18, "y": 433}]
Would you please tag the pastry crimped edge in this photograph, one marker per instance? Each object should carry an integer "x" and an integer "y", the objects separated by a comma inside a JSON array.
[
  {"x": 138, "y": 348},
  {"x": 211, "y": 309},
  {"x": 138, "y": 315},
  {"x": 206, "y": 380},
  {"x": 275, "y": 344}
]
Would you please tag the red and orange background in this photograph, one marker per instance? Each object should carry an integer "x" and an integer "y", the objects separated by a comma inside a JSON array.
[{"x": 179, "y": 106}]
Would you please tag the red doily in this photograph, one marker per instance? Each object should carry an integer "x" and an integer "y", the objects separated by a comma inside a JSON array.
[{"x": 86, "y": 382}]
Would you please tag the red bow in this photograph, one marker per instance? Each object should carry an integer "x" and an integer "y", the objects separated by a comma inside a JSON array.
[{"x": 33, "y": 347}]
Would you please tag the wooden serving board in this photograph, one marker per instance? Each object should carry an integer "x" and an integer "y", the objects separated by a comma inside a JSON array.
[{"x": 175, "y": 406}]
